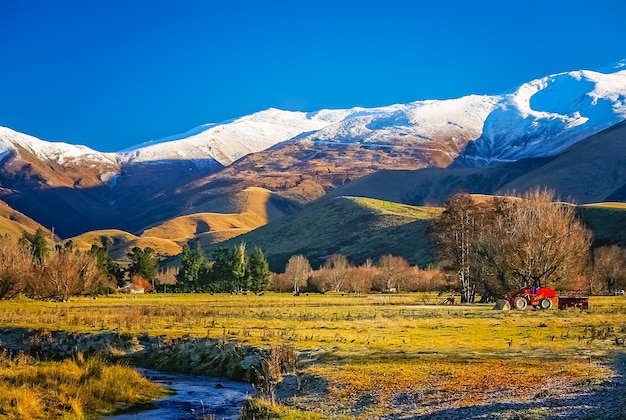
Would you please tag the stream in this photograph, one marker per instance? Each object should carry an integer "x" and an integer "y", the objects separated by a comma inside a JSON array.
[{"x": 197, "y": 397}]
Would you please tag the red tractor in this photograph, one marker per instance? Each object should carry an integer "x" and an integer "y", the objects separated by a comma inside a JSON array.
[{"x": 537, "y": 297}]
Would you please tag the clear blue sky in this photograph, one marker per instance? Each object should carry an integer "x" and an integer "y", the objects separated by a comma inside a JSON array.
[{"x": 112, "y": 74}]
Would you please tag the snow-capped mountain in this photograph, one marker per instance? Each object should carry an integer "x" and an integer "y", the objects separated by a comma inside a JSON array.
[
  {"x": 539, "y": 118},
  {"x": 58, "y": 152}
]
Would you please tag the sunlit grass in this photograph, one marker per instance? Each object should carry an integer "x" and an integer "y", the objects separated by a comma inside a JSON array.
[
  {"x": 70, "y": 389},
  {"x": 380, "y": 347}
]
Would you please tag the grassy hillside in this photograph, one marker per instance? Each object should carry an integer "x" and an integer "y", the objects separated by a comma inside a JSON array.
[
  {"x": 360, "y": 228},
  {"x": 607, "y": 222},
  {"x": 254, "y": 207},
  {"x": 120, "y": 243}
]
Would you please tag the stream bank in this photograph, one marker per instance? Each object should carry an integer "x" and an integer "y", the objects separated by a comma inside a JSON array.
[{"x": 207, "y": 358}]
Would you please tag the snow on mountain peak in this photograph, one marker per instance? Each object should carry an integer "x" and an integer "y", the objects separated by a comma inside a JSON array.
[
  {"x": 59, "y": 152},
  {"x": 228, "y": 141},
  {"x": 538, "y": 118}
]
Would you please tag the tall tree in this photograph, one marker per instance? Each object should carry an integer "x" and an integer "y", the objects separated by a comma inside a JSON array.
[
  {"x": 39, "y": 246},
  {"x": 509, "y": 243},
  {"x": 532, "y": 241},
  {"x": 193, "y": 262},
  {"x": 609, "y": 267},
  {"x": 456, "y": 232},
  {"x": 258, "y": 271},
  {"x": 298, "y": 270},
  {"x": 15, "y": 268},
  {"x": 143, "y": 262},
  {"x": 238, "y": 268},
  {"x": 394, "y": 272},
  {"x": 219, "y": 279},
  {"x": 107, "y": 265},
  {"x": 335, "y": 268}
]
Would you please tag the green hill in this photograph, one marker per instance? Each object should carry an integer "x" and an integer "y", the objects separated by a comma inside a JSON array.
[
  {"x": 607, "y": 221},
  {"x": 359, "y": 228}
]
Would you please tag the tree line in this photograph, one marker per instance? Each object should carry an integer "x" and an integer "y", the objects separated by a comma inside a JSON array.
[
  {"x": 388, "y": 274},
  {"x": 230, "y": 271},
  {"x": 488, "y": 247}
]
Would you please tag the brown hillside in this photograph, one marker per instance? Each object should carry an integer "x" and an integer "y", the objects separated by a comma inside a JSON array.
[
  {"x": 120, "y": 243},
  {"x": 252, "y": 207},
  {"x": 15, "y": 224}
]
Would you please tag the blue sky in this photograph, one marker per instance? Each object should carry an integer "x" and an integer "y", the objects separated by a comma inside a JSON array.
[{"x": 112, "y": 74}]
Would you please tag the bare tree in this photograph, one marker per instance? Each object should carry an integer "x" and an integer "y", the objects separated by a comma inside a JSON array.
[
  {"x": 280, "y": 282},
  {"x": 609, "y": 268},
  {"x": 361, "y": 279},
  {"x": 15, "y": 267},
  {"x": 66, "y": 273},
  {"x": 456, "y": 231},
  {"x": 335, "y": 268},
  {"x": 394, "y": 272},
  {"x": 298, "y": 270},
  {"x": 533, "y": 242}
]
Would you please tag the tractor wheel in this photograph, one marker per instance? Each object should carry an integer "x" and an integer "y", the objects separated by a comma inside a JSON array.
[
  {"x": 520, "y": 303},
  {"x": 545, "y": 303}
]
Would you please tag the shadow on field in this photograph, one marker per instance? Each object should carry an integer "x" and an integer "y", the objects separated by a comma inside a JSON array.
[{"x": 608, "y": 402}]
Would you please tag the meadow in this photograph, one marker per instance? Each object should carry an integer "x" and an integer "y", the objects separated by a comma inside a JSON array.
[{"x": 377, "y": 355}]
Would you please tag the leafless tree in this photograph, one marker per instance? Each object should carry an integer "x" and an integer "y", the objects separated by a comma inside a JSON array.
[
  {"x": 335, "y": 268},
  {"x": 533, "y": 241},
  {"x": 394, "y": 272},
  {"x": 280, "y": 282},
  {"x": 456, "y": 231},
  {"x": 609, "y": 268},
  {"x": 361, "y": 279},
  {"x": 65, "y": 273},
  {"x": 15, "y": 268},
  {"x": 298, "y": 270}
]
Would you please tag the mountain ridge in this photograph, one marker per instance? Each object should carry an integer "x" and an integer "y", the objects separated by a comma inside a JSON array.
[{"x": 301, "y": 156}]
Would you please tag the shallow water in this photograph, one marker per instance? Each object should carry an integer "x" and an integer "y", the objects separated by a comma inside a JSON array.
[{"x": 196, "y": 397}]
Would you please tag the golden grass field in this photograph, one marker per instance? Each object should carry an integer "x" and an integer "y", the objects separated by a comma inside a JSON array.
[{"x": 375, "y": 347}]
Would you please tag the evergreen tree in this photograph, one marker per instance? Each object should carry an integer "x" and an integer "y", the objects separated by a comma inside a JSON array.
[
  {"x": 143, "y": 262},
  {"x": 238, "y": 269},
  {"x": 220, "y": 279},
  {"x": 39, "y": 246},
  {"x": 193, "y": 262},
  {"x": 107, "y": 265},
  {"x": 258, "y": 271}
]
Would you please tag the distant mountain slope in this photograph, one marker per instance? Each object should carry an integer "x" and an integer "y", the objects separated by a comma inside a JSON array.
[
  {"x": 253, "y": 207},
  {"x": 301, "y": 156},
  {"x": 362, "y": 228},
  {"x": 591, "y": 171}
]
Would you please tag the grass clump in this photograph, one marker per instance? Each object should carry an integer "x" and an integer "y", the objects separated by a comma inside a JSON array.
[{"x": 30, "y": 389}]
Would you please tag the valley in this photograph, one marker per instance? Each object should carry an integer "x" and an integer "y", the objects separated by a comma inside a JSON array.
[{"x": 350, "y": 185}]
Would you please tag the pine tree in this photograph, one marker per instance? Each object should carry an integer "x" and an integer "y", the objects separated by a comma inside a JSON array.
[
  {"x": 143, "y": 262},
  {"x": 107, "y": 265},
  {"x": 192, "y": 264},
  {"x": 220, "y": 279},
  {"x": 238, "y": 268},
  {"x": 39, "y": 246},
  {"x": 258, "y": 271}
]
